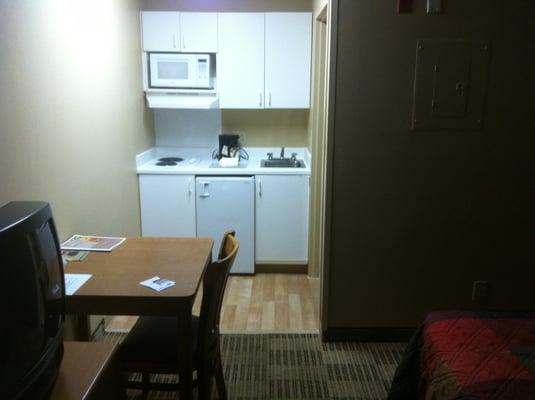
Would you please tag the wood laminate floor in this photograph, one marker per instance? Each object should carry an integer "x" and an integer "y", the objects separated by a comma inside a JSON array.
[{"x": 282, "y": 303}]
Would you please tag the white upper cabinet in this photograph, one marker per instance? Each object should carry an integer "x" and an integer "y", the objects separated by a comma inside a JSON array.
[
  {"x": 263, "y": 59},
  {"x": 186, "y": 32},
  {"x": 198, "y": 32},
  {"x": 288, "y": 50},
  {"x": 240, "y": 61},
  {"x": 160, "y": 30}
]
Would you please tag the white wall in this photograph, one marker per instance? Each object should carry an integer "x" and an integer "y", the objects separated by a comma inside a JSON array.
[
  {"x": 317, "y": 5},
  {"x": 187, "y": 128},
  {"x": 72, "y": 115}
]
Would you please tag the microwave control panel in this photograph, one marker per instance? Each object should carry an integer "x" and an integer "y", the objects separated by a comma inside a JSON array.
[{"x": 202, "y": 68}]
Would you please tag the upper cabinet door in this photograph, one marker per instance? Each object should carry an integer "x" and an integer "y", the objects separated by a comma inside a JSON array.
[
  {"x": 160, "y": 30},
  {"x": 240, "y": 61},
  {"x": 198, "y": 32},
  {"x": 288, "y": 58}
]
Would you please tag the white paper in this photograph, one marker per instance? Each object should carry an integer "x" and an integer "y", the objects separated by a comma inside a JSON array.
[
  {"x": 157, "y": 283},
  {"x": 73, "y": 282},
  {"x": 229, "y": 162}
]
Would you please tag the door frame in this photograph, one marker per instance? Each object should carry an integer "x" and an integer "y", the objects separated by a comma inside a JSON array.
[{"x": 330, "y": 87}]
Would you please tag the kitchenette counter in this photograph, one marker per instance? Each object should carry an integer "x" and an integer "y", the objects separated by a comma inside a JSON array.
[
  {"x": 199, "y": 161},
  {"x": 196, "y": 197}
]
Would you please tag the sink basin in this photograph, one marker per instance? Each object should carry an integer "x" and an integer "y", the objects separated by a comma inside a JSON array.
[{"x": 284, "y": 163}]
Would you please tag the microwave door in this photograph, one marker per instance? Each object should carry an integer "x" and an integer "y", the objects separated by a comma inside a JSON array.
[{"x": 170, "y": 72}]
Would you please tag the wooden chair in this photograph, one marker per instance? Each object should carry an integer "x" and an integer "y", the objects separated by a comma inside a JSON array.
[{"x": 151, "y": 345}]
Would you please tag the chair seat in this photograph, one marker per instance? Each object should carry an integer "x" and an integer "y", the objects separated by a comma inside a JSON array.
[{"x": 152, "y": 340}]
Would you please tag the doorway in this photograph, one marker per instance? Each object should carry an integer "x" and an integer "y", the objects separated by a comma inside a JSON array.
[{"x": 318, "y": 148}]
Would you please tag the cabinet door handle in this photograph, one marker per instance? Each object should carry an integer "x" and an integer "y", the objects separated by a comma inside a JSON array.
[
  {"x": 260, "y": 102},
  {"x": 270, "y": 98},
  {"x": 183, "y": 43},
  {"x": 259, "y": 188},
  {"x": 204, "y": 189},
  {"x": 174, "y": 41},
  {"x": 189, "y": 188}
]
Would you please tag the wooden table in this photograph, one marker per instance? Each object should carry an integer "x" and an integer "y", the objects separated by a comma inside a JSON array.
[
  {"x": 114, "y": 288},
  {"x": 86, "y": 372}
]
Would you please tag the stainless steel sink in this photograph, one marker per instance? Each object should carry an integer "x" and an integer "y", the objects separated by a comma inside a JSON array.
[{"x": 282, "y": 163}]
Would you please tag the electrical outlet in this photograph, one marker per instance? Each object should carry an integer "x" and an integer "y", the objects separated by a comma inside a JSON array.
[{"x": 480, "y": 292}]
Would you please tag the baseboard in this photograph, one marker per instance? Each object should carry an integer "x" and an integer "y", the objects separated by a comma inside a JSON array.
[
  {"x": 282, "y": 268},
  {"x": 367, "y": 334}
]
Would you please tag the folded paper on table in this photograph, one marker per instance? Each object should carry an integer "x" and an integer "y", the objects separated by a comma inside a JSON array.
[
  {"x": 73, "y": 282},
  {"x": 157, "y": 283}
]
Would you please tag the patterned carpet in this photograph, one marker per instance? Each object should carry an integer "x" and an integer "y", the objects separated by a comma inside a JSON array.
[{"x": 300, "y": 366}]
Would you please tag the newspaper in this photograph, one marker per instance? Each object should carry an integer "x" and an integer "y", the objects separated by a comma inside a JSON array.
[{"x": 91, "y": 243}]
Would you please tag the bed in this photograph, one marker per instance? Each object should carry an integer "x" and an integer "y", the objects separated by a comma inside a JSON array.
[{"x": 469, "y": 355}]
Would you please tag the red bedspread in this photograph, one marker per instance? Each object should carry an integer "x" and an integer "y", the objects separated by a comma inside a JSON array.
[{"x": 469, "y": 355}]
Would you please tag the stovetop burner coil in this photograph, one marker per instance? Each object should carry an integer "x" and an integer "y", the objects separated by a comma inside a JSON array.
[
  {"x": 171, "y": 159},
  {"x": 168, "y": 161}
]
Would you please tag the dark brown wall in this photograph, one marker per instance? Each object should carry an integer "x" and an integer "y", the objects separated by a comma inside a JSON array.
[{"x": 418, "y": 216}]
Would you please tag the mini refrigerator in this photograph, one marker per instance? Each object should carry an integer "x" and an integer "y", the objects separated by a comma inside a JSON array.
[{"x": 227, "y": 203}]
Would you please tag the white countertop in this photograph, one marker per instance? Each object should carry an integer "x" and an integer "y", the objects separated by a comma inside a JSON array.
[{"x": 198, "y": 161}]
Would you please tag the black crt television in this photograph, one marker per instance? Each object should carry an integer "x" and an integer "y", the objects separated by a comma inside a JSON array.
[{"x": 32, "y": 301}]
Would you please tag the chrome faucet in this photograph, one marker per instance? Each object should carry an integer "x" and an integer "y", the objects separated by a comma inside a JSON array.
[{"x": 282, "y": 153}]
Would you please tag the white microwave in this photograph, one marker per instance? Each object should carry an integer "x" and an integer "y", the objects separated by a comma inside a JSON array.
[{"x": 180, "y": 71}]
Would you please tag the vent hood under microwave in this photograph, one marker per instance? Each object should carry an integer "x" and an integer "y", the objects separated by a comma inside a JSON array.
[{"x": 182, "y": 100}]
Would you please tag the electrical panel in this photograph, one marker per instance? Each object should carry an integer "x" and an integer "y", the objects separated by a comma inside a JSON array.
[{"x": 450, "y": 84}]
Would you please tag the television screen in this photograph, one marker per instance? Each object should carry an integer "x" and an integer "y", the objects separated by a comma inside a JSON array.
[{"x": 32, "y": 300}]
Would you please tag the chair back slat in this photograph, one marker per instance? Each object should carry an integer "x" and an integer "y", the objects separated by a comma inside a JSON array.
[{"x": 214, "y": 282}]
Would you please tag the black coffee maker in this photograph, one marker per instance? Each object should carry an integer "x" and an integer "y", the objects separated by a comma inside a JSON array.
[{"x": 229, "y": 146}]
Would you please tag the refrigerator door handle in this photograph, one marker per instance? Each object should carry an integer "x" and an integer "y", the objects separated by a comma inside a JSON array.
[{"x": 204, "y": 189}]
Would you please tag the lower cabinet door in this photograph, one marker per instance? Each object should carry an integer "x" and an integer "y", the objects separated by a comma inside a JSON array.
[
  {"x": 282, "y": 203},
  {"x": 167, "y": 205}
]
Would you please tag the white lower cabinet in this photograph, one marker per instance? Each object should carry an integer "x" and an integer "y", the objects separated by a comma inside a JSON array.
[
  {"x": 281, "y": 213},
  {"x": 282, "y": 203},
  {"x": 167, "y": 205}
]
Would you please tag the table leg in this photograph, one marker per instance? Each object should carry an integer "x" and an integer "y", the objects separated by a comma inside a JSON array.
[
  {"x": 185, "y": 354},
  {"x": 81, "y": 328}
]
